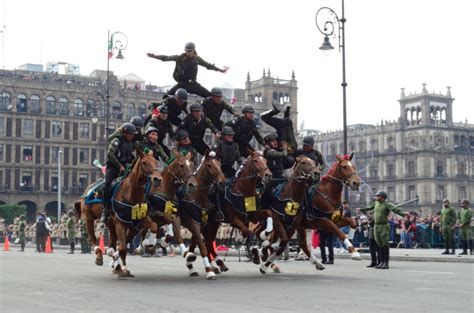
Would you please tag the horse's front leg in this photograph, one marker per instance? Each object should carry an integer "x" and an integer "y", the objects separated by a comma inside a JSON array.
[
  {"x": 209, "y": 233},
  {"x": 303, "y": 243},
  {"x": 348, "y": 221},
  {"x": 121, "y": 231},
  {"x": 195, "y": 230},
  {"x": 176, "y": 226},
  {"x": 329, "y": 226},
  {"x": 280, "y": 228},
  {"x": 268, "y": 215},
  {"x": 99, "y": 260},
  {"x": 236, "y": 222}
]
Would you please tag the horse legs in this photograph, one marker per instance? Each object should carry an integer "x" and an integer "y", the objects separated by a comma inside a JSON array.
[
  {"x": 122, "y": 250},
  {"x": 280, "y": 228},
  {"x": 209, "y": 232},
  {"x": 99, "y": 260},
  {"x": 304, "y": 246},
  {"x": 329, "y": 226},
  {"x": 234, "y": 220}
]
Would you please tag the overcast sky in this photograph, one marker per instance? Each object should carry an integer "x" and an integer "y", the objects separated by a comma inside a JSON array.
[{"x": 389, "y": 44}]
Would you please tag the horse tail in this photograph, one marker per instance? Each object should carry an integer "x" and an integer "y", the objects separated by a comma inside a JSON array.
[{"x": 77, "y": 208}]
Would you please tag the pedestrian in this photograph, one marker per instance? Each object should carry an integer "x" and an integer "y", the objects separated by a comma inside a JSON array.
[
  {"x": 186, "y": 69},
  {"x": 21, "y": 232},
  {"x": 448, "y": 222},
  {"x": 42, "y": 232},
  {"x": 464, "y": 222},
  {"x": 375, "y": 258},
  {"x": 71, "y": 231},
  {"x": 382, "y": 208},
  {"x": 85, "y": 246}
]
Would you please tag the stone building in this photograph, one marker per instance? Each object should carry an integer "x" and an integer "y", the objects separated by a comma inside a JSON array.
[
  {"x": 43, "y": 113},
  {"x": 424, "y": 153}
]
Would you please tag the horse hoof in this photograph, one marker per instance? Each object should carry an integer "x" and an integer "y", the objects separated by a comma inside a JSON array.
[
  {"x": 99, "y": 262},
  {"x": 224, "y": 268},
  {"x": 211, "y": 276},
  {"x": 125, "y": 273},
  {"x": 190, "y": 257},
  {"x": 193, "y": 273},
  {"x": 265, "y": 254},
  {"x": 216, "y": 270},
  {"x": 276, "y": 269},
  {"x": 320, "y": 267},
  {"x": 356, "y": 256},
  {"x": 255, "y": 256},
  {"x": 262, "y": 271}
]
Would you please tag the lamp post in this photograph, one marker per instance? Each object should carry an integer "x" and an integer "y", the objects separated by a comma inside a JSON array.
[
  {"x": 327, "y": 22},
  {"x": 115, "y": 41},
  {"x": 59, "y": 185}
]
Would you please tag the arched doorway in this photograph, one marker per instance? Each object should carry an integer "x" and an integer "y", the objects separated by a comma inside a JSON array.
[
  {"x": 30, "y": 210},
  {"x": 52, "y": 209}
]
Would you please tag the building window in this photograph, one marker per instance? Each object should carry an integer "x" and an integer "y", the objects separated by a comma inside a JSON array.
[
  {"x": 391, "y": 193},
  {"x": 374, "y": 171},
  {"x": 1, "y": 151},
  {"x": 390, "y": 169},
  {"x": 21, "y": 103},
  {"x": 439, "y": 169},
  {"x": 35, "y": 104},
  {"x": 411, "y": 192},
  {"x": 141, "y": 110},
  {"x": 56, "y": 128},
  {"x": 50, "y": 105},
  {"x": 2, "y": 125},
  {"x": 130, "y": 111},
  {"x": 5, "y": 101},
  {"x": 84, "y": 156},
  {"x": 411, "y": 168},
  {"x": 462, "y": 194},
  {"x": 83, "y": 180},
  {"x": 440, "y": 194},
  {"x": 117, "y": 111},
  {"x": 27, "y": 126},
  {"x": 84, "y": 130},
  {"x": 78, "y": 107},
  {"x": 374, "y": 145},
  {"x": 28, "y": 153},
  {"x": 63, "y": 106},
  {"x": 26, "y": 183},
  {"x": 54, "y": 182},
  {"x": 461, "y": 168},
  {"x": 55, "y": 154}
]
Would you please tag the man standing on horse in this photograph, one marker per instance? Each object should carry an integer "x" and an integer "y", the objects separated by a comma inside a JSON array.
[
  {"x": 309, "y": 151},
  {"x": 227, "y": 152},
  {"x": 245, "y": 128},
  {"x": 186, "y": 69},
  {"x": 214, "y": 105},
  {"x": 195, "y": 124},
  {"x": 382, "y": 209},
  {"x": 119, "y": 155},
  {"x": 176, "y": 105},
  {"x": 283, "y": 126},
  {"x": 159, "y": 119}
]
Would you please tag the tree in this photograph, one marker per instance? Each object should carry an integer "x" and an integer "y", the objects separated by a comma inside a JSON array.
[{"x": 10, "y": 211}]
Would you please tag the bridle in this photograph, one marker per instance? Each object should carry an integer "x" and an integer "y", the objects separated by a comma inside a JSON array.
[{"x": 177, "y": 180}]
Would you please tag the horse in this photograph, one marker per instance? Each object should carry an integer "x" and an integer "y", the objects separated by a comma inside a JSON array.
[
  {"x": 240, "y": 204},
  {"x": 322, "y": 209},
  {"x": 194, "y": 207},
  {"x": 129, "y": 208}
]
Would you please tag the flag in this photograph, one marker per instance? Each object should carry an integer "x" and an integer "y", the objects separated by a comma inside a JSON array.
[{"x": 111, "y": 48}]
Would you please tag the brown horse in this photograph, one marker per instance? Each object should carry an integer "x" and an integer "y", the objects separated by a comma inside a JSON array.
[
  {"x": 129, "y": 206},
  {"x": 194, "y": 207},
  {"x": 162, "y": 199},
  {"x": 240, "y": 205}
]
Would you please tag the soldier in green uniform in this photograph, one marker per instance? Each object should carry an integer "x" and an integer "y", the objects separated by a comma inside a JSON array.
[
  {"x": 382, "y": 209},
  {"x": 71, "y": 231},
  {"x": 21, "y": 232},
  {"x": 183, "y": 146},
  {"x": 138, "y": 122},
  {"x": 448, "y": 222},
  {"x": 186, "y": 69},
  {"x": 151, "y": 142},
  {"x": 85, "y": 246},
  {"x": 464, "y": 221},
  {"x": 214, "y": 105},
  {"x": 227, "y": 152}
]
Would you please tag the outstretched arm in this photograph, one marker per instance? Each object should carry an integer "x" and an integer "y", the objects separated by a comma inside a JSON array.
[
  {"x": 210, "y": 66},
  {"x": 163, "y": 57}
]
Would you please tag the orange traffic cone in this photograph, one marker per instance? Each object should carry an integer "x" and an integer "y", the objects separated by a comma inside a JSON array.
[
  {"x": 6, "y": 246},
  {"x": 48, "y": 245},
  {"x": 101, "y": 243}
]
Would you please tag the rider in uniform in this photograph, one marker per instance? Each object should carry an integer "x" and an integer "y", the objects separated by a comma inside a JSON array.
[
  {"x": 382, "y": 209},
  {"x": 186, "y": 69},
  {"x": 283, "y": 126},
  {"x": 183, "y": 146},
  {"x": 214, "y": 105},
  {"x": 159, "y": 120},
  {"x": 151, "y": 142},
  {"x": 195, "y": 124},
  {"x": 227, "y": 152},
  {"x": 310, "y": 152},
  {"x": 275, "y": 156},
  {"x": 245, "y": 128},
  {"x": 119, "y": 155},
  {"x": 138, "y": 122},
  {"x": 176, "y": 104}
]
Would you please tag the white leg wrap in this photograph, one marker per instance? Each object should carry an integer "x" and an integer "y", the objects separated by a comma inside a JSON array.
[
  {"x": 275, "y": 245},
  {"x": 206, "y": 262},
  {"x": 182, "y": 248},
  {"x": 347, "y": 243},
  {"x": 163, "y": 243},
  {"x": 192, "y": 271},
  {"x": 265, "y": 244},
  {"x": 351, "y": 233},
  {"x": 319, "y": 266},
  {"x": 269, "y": 225},
  {"x": 110, "y": 252},
  {"x": 116, "y": 255},
  {"x": 115, "y": 263},
  {"x": 211, "y": 275},
  {"x": 169, "y": 230}
]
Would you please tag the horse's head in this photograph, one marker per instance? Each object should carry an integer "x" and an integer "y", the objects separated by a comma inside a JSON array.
[
  {"x": 149, "y": 167},
  {"x": 182, "y": 169},
  {"x": 306, "y": 170},
  {"x": 346, "y": 171},
  {"x": 211, "y": 171},
  {"x": 259, "y": 165}
]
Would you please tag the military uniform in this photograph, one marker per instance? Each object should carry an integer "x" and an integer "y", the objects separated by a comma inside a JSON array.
[
  {"x": 213, "y": 111},
  {"x": 174, "y": 109},
  {"x": 283, "y": 127},
  {"x": 464, "y": 219},
  {"x": 314, "y": 155},
  {"x": 448, "y": 221},
  {"x": 227, "y": 152},
  {"x": 21, "y": 233},
  {"x": 164, "y": 128},
  {"x": 381, "y": 226},
  {"x": 197, "y": 130},
  {"x": 244, "y": 131},
  {"x": 185, "y": 72},
  {"x": 118, "y": 132},
  {"x": 184, "y": 150},
  {"x": 71, "y": 233},
  {"x": 158, "y": 152},
  {"x": 85, "y": 246},
  {"x": 275, "y": 159}
]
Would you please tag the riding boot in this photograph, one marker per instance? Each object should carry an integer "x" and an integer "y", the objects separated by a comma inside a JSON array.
[
  {"x": 373, "y": 258},
  {"x": 381, "y": 258},
  {"x": 464, "y": 247},
  {"x": 386, "y": 256},
  {"x": 105, "y": 214}
]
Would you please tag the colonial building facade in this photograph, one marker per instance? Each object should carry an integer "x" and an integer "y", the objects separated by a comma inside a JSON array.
[
  {"x": 423, "y": 154},
  {"x": 43, "y": 113}
]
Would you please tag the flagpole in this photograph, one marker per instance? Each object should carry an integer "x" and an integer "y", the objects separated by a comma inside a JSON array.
[{"x": 107, "y": 95}]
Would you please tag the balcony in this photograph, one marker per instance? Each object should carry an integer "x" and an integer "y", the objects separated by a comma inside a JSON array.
[
  {"x": 28, "y": 188},
  {"x": 51, "y": 111},
  {"x": 63, "y": 112}
]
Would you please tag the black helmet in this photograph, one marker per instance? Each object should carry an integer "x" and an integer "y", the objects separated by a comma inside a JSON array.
[
  {"x": 381, "y": 193},
  {"x": 248, "y": 108},
  {"x": 181, "y": 134},
  {"x": 227, "y": 130},
  {"x": 196, "y": 107},
  {"x": 182, "y": 94},
  {"x": 129, "y": 128},
  {"x": 137, "y": 121},
  {"x": 190, "y": 46},
  {"x": 163, "y": 109},
  {"x": 216, "y": 92},
  {"x": 308, "y": 140},
  {"x": 465, "y": 201},
  {"x": 150, "y": 129},
  {"x": 270, "y": 137}
]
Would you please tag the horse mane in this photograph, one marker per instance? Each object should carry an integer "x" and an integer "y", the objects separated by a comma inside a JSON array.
[{"x": 325, "y": 178}]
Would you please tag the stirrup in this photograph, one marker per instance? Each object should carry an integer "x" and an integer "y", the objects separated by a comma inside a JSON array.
[{"x": 219, "y": 216}]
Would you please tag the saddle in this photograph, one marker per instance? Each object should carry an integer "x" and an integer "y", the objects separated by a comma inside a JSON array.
[{"x": 95, "y": 192}]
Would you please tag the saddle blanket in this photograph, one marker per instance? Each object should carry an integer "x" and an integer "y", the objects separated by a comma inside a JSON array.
[
  {"x": 246, "y": 206},
  {"x": 192, "y": 209},
  {"x": 130, "y": 214},
  {"x": 287, "y": 209},
  {"x": 159, "y": 203}
]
